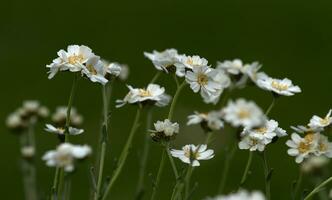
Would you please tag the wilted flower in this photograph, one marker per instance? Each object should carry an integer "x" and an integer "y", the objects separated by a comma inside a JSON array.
[
  {"x": 152, "y": 94},
  {"x": 243, "y": 113},
  {"x": 166, "y": 60},
  {"x": 65, "y": 155},
  {"x": 60, "y": 131},
  {"x": 318, "y": 122},
  {"x": 191, "y": 154},
  {"x": 73, "y": 59},
  {"x": 60, "y": 115},
  {"x": 164, "y": 130},
  {"x": 240, "y": 195},
  {"x": 209, "y": 121},
  {"x": 278, "y": 86},
  {"x": 202, "y": 79}
]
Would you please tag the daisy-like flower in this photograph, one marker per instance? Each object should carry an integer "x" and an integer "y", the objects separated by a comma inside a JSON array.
[
  {"x": 209, "y": 121},
  {"x": 95, "y": 70},
  {"x": 60, "y": 131},
  {"x": 165, "y": 61},
  {"x": 243, "y": 113},
  {"x": 113, "y": 69},
  {"x": 190, "y": 62},
  {"x": 152, "y": 94},
  {"x": 234, "y": 67},
  {"x": 300, "y": 147},
  {"x": 124, "y": 73},
  {"x": 224, "y": 81},
  {"x": 73, "y": 59},
  {"x": 65, "y": 155},
  {"x": 306, "y": 129},
  {"x": 240, "y": 195},
  {"x": 60, "y": 115},
  {"x": 252, "y": 143},
  {"x": 191, "y": 154},
  {"x": 164, "y": 130},
  {"x": 318, "y": 122},
  {"x": 283, "y": 87},
  {"x": 324, "y": 147},
  {"x": 201, "y": 79}
]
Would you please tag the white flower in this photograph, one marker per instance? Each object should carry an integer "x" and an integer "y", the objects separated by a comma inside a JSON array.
[
  {"x": 28, "y": 151},
  {"x": 60, "y": 131},
  {"x": 60, "y": 115},
  {"x": 190, "y": 62},
  {"x": 31, "y": 106},
  {"x": 14, "y": 121},
  {"x": 65, "y": 155},
  {"x": 279, "y": 86},
  {"x": 221, "y": 78},
  {"x": 191, "y": 154},
  {"x": 243, "y": 113},
  {"x": 324, "y": 147},
  {"x": 211, "y": 120},
  {"x": 301, "y": 148},
  {"x": 201, "y": 79},
  {"x": 165, "y": 60},
  {"x": 95, "y": 70},
  {"x": 240, "y": 195},
  {"x": 234, "y": 67},
  {"x": 114, "y": 69},
  {"x": 306, "y": 129},
  {"x": 153, "y": 93},
  {"x": 124, "y": 73},
  {"x": 167, "y": 127},
  {"x": 313, "y": 163},
  {"x": 318, "y": 122},
  {"x": 73, "y": 59},
  {"x": 252, "y": 143}
]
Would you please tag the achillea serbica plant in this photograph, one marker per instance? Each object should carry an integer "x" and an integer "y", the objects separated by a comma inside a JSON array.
[{"x": 253, "y": 129}]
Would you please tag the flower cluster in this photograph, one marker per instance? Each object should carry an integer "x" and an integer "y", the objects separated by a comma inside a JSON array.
[
  {"x": 313, "y": 143},
  {"x": 164, "y": 131},
  {"x": 82, "y": 59},
  {"x": 210, "y": 121},
  {"x": 65, "y": 155}
]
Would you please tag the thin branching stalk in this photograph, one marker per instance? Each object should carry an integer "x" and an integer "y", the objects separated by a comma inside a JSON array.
[
  {"x": 175, "y": 99},
  {"x": 187, "y": 181},
  {"x": 123, "y": 155},
  {"x": 208, "y": 137},
  {"x": 160, "y": 170},
  {"x": 298, "y": 184},
  {"x": 246, "y": 170},
  {"x": 55, "y": 184},
  {"x": 175, "y": 171},
  {"x": 267, "y": 177},
  {"x": 318, "y": 188},
  {"x": 228, "y": 159}
]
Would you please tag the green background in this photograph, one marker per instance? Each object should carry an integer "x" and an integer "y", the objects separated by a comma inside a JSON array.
[{"x": 291, "y": 38}]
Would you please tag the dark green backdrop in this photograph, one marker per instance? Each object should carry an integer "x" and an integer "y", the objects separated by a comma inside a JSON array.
[{"x": 291, "y": 38}]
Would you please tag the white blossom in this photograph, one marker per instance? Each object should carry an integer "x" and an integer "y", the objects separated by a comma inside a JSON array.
[
  {"x": 279, "y": 86},
  {"x": 60, "y": 131},
  {"x": 28, "y": 151},
  {"x": 240, "y": 195},
  {"x": 191, "y": 154},
  {"x": 234, "y": 67},
  {"x": 95, "y": 70},
  {"x": 318, "y": 122},
  {"x": 211, "y": 120},
  {"x": 164, "y": 130},
  {"x": 221, "y": 78},
  {"x": 60, "y": 115}
]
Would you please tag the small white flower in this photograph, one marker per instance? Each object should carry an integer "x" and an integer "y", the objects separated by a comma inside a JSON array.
[
  {"x": 165, "y": 60},
  {"x": 279, "y": 86},
  {"x": 301, "y": 148},
  {"x": 14, "y": 121},
  {"x": 114, "y": 69},
  {"x": 211, "y": 120},
  {"x": 306, "y": 129},
  {"x": 191, "y": 154},
  {"x": 252, "y": 143},
  {"x": 190, "y": 62},
  {"x": 164, "y": 130},
  {"x": 234, "y": 67},
  {"x": 60, "y": 115},
  {"x": 314, "y": 163},
  {"x": 153, "y": 93},
  {"x": 202, "y": 79},
  {"x": 73, "y": 59},
  {"x": 318, "y": 122},
  {"x": 95, "y": 70},
  {"x": 31, "y": 106},
  {"x": 324, "y": 147},
  {"x": 224, "y": 81},
  {"x": 60, "y": 131},
  {"x": 65, "y": 155},
  {"x": 124, "y": 73},
  {"x": 240, "y": 195},
  {"x": 243, "y": 113},
  {"x": 28, "y": 151}
]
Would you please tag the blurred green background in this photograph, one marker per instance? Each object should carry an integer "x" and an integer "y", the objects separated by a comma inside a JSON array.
[{"x": 291, "y": 38}]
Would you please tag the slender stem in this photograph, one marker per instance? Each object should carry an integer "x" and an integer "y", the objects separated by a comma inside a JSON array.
[
  {"x": 228, "y": 160},
  {"x": 208, "y": 137},
  {"x": 100, "y": 171},
  {"x": 267, "y": 179},
  {"x": 318, "y": 188},
  {"x": 187, "y": 181},
  {"x": 69, "y": 106},
  {"x": 155, "y": 77},
  {"x": 175, "y": 171},
  {"x": 271, "y": 106},
  {"x": 160, "y": 170},
  {"x": 245, "y": 173},
  {"x": 123, "y": 155},
  {"x": 55, "y": 184},
  {"x": 175, "y": 99},
  {"x": 298, "y": 184},
  {"x": 144, "y": 160}
]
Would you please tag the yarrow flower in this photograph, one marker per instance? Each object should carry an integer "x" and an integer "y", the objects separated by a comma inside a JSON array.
[
  {"x": 191, "y": 154},
  {"x": 166, "y": 61},
  {"x": 243, "y": 113},
  {"x": 153, "y": 94},
  {"x": 283, "y": 87},
  {"x": 318, "y": 122},
  {"x": 209, "y": 121},
  {"x": 60, "y": 131},
  {"x": 65, "y": 155},
  {"x": 240, "y": 195},
  {"x": 164, "y": 130},
  {"x": 60, "y": 115},
  {"x": 257, "y": 138},
  {"x": 191, "y": 62}
]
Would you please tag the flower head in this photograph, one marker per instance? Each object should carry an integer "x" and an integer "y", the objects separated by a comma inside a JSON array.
[
  {"x": 209, "y": 121},
  {"x": 65, "y": 155},
  {"x": 164, "y": 130},
  {"x": 190, "y": 62},
  {"x": 318, "y": 122},
  {"x": 221, "y": 78},
  {"x": 240, "y": 195},
  {"x": 234, "y": 67},
  {"x": 153, "y": 94},
  {"x": 191, "y": 154},
  {"x": 60, "y": 115},
  {"x": 283, "y": 87},
  {"x": 243, "y": 113},
  {"x": 95, "y": 70},
  {"x": 61, "y": 131}
]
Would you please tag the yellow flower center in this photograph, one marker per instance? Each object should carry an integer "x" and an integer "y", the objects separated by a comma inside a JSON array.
[
  {"x": 322, "y": 147},
  {"x": 202, "y": 79},
  {"x": 261, "y": 130},
  {"x": 144, "y": 93},
  {"x": 190, "y": 61},
  {"x": 242, "y": 114},
  {"x": 279, "y": 86},
  {"x": 91, "y": 69},
  {"x": 309, "y": 138},
  {"x": 303, "y": 147},
  {"x": 189, "y": 153},
  {"x": 74, "y": 59},
  {"x": 325, "y": 121}
]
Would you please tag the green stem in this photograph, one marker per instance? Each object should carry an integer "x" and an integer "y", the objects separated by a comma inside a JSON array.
[
  {"x": 69, "y": 106},
  {"x": 228, "y": 160},
  {"x": 123, "y": 155},
  {"x": 100, "y": 171},
  {"x": 155, "y": 77},
  {"x": 175, "y": 99},
  {"x": 266, "y": 177},
  {"x": 187, "y": 181},
  {"x": 245, "y": 173},
  {"x": 271, "y": 106},
  {"x": 170, "y": 157},
  {"x": 55, "y": 184},
  {"x": 160, "y": 170},
  {"x": 298, "y": 185},
  {"x": 318, "y": 188},
  {"x": 208, "y": 137}
]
